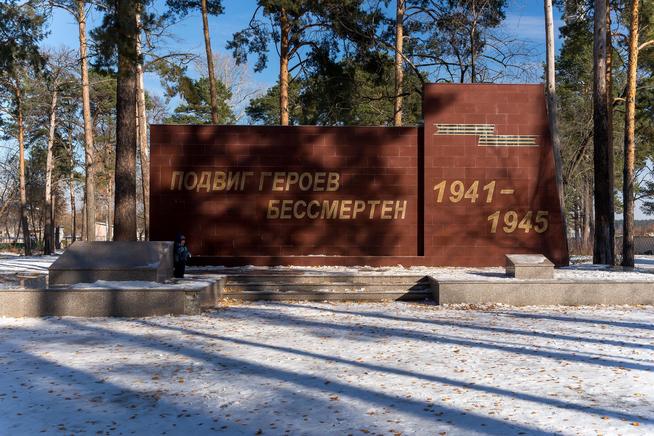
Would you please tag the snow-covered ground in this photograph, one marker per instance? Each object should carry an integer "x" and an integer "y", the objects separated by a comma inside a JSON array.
[
  {"x": 12, "y": 263},
  {"x": 137, "y": 284},
  {"x": 318, "y": 369}
]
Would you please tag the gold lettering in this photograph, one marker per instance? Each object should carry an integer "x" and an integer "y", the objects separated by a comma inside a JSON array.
[
  {"x": 296, "y": 214},
  {"x": 190, "y": 186},
  {"x": 305, "y": 177},
  {"x": 319, "y": 181},
  {"x": 205, "y": 181},
  {"x": 291, "y": 180},
  {"x": 336, "y": 209},
  {"x": 399, "y": 209},
  {"x": 441, "y": 189},
  {"x": 494, "y": 219},
  {"x": 359, "y": 206},
  {"x": 310, "y": 214},
  {"x": 180, "y": 176},
  {"x": 490, "y": 187},
  {"x": 273, "y": 209},
  {"x": 386, "y": 209},
  {"x": 345, "y": 210},
  {"x": 264, "y": 174},
  {"x": 457, "y": 189},
  {"x": 510, "y": 221},
  {"x": 278, "y": 181},
  {"x": 218, "y": 180},
  {"x": 542, "y": 222},
  {"x": 331, "y": 209},
  {"x": 287, "y": 208},
  {"x": 333, "y": 181},
  {"x": 232, "y": 180},
  {"x": 373, "y": 205}
]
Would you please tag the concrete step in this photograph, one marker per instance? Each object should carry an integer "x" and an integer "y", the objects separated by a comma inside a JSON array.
[
  {"x": 331, "y": 295},
  {"x": 308, "y": 279},
  {"x": 327, "y": 286}
]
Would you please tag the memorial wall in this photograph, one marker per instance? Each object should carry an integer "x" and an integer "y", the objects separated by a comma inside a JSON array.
[{"x": 475, "y": 183}]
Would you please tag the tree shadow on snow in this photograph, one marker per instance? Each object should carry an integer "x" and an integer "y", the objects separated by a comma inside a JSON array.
[
  {"x": 402, "y": 372},
  {"x": 421, "y": 410},
  {"x": 484, "y": 327},
  {"x": 576, "y": 319}
]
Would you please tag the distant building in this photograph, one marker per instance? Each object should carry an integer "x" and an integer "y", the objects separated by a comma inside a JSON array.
[{"x": 101, "y": 231}]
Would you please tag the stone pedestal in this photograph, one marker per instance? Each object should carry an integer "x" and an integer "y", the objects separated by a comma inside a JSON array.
[
  {"x": 88, "y": 262},
  {"x": 529, "y": 266}
]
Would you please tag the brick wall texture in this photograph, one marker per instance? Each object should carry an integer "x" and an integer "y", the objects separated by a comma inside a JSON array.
[{"x": 476, "y": 183}]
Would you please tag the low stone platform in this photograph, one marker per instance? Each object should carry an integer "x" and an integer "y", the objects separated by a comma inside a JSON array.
[
  {"x": 114, "y": 299},
  {"x": 86, "y": 262},
  {"x": 529, "y": 266},
  {"x": 205, "y": 289},
  {"x": 543, "y": 292}
]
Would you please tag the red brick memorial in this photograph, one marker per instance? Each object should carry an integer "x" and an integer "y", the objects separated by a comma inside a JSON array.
[{"x": 475, "y": 183}]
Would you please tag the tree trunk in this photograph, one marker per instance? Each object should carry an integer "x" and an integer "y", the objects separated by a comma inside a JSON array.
[
  {"x": 84, "y": 218},
  {"x": 473, "y": 56},
  {"x": 107, "y": 223},
  {"x": 399, "y": 71},
  {"x": 283, "y": 70},
  {"x": 603, "y": 246},
  {"x": 212, "y": 74},
  {"x": 48, "y": 245},
  {"x": 53, "y": 211},
  {"x": 89, "y": 184},
  {"x": 32, "y": 224},
  {"x": 588, "y": 217},
  {"x": 20, "y": 227},
  {"x": 110, "y": 212},
  {"x": 125, "y": 195},
  {"x": 143, "y": 140},
  {"x": 576, "y": 214},
  {"x": 71, "y": 188},
  {"x": 73, "y": 207},
  {"x": 629, "y": 143},
  {"x": 610, "y": 106},
  {"x": 27, "y": 242},
  {"x": 553, "y": 113},
  {"x": 473, "y": 48}
]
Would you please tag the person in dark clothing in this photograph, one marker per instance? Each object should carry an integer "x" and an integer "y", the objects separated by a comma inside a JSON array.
[{"x": 181, "y": 256}]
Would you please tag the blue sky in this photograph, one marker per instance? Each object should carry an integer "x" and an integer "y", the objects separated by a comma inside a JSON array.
[{"x": 524, "y": 20}]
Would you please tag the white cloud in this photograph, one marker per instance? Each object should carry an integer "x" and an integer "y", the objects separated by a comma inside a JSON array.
[{"x": 528, "y": 27}]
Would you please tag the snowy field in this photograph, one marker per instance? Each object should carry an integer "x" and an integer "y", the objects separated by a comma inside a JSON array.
[
  {"x": 318, "y": 369},
  {"x": 13, "y": 263}
]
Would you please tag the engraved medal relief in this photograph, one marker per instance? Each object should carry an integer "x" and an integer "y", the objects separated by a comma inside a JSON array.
[{"x": 487, "y": 136}]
